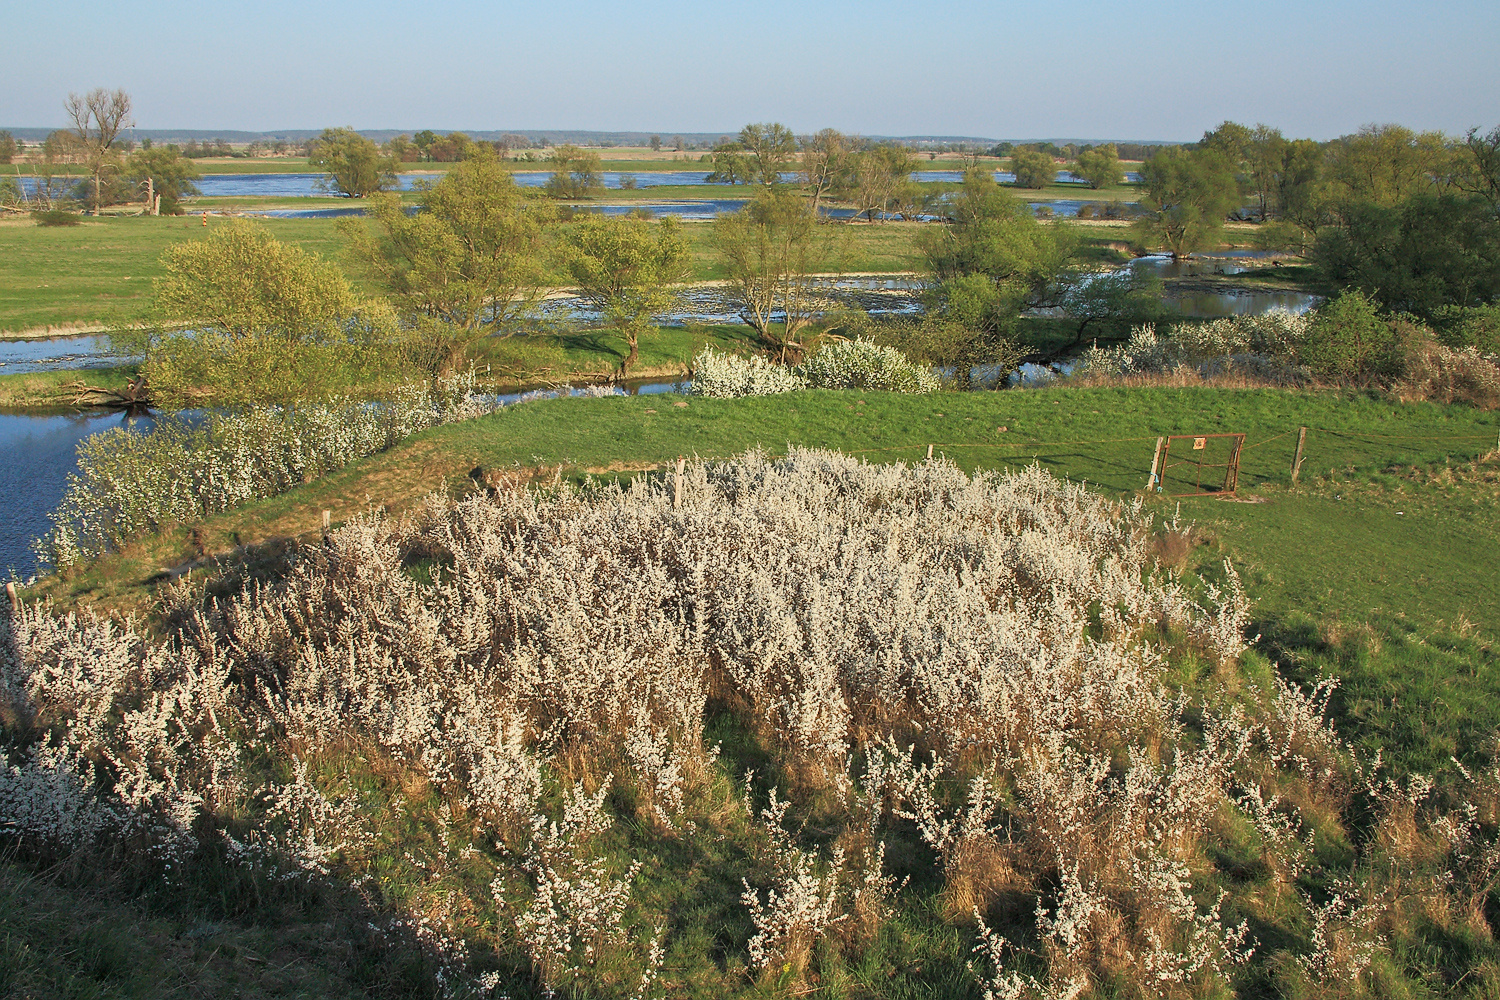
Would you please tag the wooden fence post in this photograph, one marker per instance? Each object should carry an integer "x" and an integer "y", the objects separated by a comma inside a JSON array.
[
  {"x": 327, "y": 520},
  {"x": 677, "y": 484},
  {"x": 1155, "y": 460},
  {"x": 1297, "y": 458},
  {"x": 929, "y": 453}
]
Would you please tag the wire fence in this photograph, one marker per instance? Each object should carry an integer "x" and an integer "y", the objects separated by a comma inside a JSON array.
[{"x": 1125, "y": 463}]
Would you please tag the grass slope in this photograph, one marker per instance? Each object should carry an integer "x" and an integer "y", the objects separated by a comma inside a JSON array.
[{"x": 1377, "y": 568}]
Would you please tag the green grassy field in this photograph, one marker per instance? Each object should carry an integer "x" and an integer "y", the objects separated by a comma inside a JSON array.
[
  {"x": 1103, "y": 436},
  {"x": 99, "y": 273}
]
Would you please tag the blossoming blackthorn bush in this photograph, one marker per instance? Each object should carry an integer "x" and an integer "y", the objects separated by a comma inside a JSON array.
[{"x": 976, "y": 668}]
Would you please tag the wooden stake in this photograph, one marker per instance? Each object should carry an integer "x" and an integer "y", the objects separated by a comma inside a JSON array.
[
  {"x": 327, "y": 520},
  {"x": 929, "y": 453},
  {"x": 1297, "y": 458},
  {"x": 10, "y": 592},
  {"x": 1155, "y": 461},
  {"x": 677, "y": 484}
]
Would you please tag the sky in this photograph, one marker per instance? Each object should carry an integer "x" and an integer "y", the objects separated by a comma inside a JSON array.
[{"x": 1085, "y": 70}]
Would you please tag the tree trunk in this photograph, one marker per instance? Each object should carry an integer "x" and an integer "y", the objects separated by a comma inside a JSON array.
[{"x": 625, "y": 365}]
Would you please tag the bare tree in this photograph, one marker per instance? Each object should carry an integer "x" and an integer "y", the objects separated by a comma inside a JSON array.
[
  {"x": 823, "y": 161},
  {"x": 770, "y": 251},
  {"x": 97, "y": 118}
]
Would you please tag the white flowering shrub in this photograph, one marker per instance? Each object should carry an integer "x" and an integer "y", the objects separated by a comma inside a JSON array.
[
  {"x": 517, "y": 740},
  {"x": 729, "y": 376},
  {"x": 1263, "y": 346},
  {"x": 130, "y": 483},
  {"x": 841, "y": 364},
  {"x": 861, "y": 364}
]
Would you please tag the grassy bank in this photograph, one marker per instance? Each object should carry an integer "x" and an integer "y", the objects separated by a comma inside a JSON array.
[
  {"x": 1103, "y": 436},
  {"x": 43, "y": 390},
  {"x": 1376, "y": 568}
]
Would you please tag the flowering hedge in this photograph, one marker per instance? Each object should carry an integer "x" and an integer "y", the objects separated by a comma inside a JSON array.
[
  {"x": 844, "y": 364},
  {"x": 131, "y": 483}
]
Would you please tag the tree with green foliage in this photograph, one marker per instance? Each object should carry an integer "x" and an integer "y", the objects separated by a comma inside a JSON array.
[
  {"x": 576, "y": 173},
  {"x": 1257, "y": 155},
  {"x": 401, "y": 149},
  {"x": 1479, "y": 160},
  {"x": 770, "y": 250},
  {"x": 994, "y": 258},
  {"x": 1229, "y": 140},
  {"x": 423, "y": 140},
  {"x": 1385, "y": 164},
  {"x": 164, "y": 176},
  {"x": 97, "y": 118},
  {"x": 8, "y": 147},
  {"x": 451, "y": 148},
  {"x": 1301, "y": 188},
  {"x": 1426, "y": 254},
  {"x": 627, "y": 269},
  {"x": 730, "y": 165},
  {"x": 1187, "y": 196},
  {"x": 1099, "y": 167},
  {"x": 266, "y": 322},
  {"x": 1033, "y": 168},
  {"x": 1109, "y": 304},
  {"x": 1349, "y": 341},
  {"x": 770, "y": 149},
  {"x": 469, "y": 264},
  {"x": 354, "y": 166}
]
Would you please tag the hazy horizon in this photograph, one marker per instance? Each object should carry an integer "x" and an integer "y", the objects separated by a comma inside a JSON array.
[{"x": 1313, "y": 69}]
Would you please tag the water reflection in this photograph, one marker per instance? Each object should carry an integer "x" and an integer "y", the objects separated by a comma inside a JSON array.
[{"x": 37, "y": 454}]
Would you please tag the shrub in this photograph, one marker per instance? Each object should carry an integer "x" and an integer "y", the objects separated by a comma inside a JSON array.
[
  {"x": 1258, "y": 347},
  {"x": 861, "y": 364},
  {"x": 842, "y": 364},
  {"x": 580, "y": 634},
  {"x": 1349, "y": 341},
  {"x": 130, "y": 483},
  {"x": 57, "y": 217},
  {"x": 726, "y": 376},
  {"x": 980, "y": 670},
  {"x": 1476, "y": 327}
]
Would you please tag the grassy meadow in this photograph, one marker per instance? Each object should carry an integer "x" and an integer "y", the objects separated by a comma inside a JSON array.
[{"x": 98, "y": 274}]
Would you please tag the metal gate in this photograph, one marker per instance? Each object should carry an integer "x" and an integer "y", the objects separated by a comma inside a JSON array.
[{"x": 1189, "y": 465}]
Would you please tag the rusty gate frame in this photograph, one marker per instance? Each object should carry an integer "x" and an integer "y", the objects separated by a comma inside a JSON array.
[{"x": 1162, "y": 462}]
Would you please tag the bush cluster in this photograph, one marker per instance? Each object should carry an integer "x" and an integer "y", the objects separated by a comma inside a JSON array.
[
  {"x": 510, "y": 719},
  {"x": 1345, "y": 342},
  {"x": 1263, "y": 346},
  {"x": 130, "y": 483},
  {"x": 841, "y": 364}
]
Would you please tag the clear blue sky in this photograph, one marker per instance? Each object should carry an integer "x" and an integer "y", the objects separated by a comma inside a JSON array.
[{"x": 1085, "y": 69}]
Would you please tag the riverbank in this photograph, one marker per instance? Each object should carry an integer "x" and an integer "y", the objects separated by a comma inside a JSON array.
[{"x": 1102, "y": 436}]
